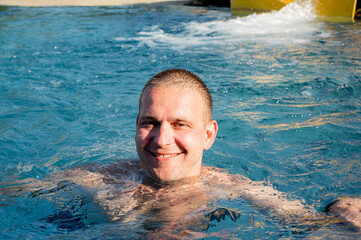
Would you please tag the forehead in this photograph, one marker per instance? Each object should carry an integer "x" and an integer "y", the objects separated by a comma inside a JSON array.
[
  {"x": 172, "y": 99},
  {"x": 171, "y": 95}
]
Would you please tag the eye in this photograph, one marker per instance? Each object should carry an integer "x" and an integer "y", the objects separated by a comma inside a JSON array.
[
  {"x": 180, "y": 125},
  {"x": 148, "y": 124}
]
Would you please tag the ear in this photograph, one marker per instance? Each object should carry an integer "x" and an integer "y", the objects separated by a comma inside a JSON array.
[{"x": 211, "y": 133}]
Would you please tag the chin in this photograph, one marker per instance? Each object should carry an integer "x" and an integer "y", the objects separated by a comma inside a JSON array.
[{"x": 164, "y": 177}]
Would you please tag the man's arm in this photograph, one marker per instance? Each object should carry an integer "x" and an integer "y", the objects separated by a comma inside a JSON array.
[
  {"x": 265, "y": 197},
  {"x": 262, "y": 196}
]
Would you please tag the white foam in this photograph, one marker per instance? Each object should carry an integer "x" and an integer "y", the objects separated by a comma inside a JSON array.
[{"x": 294, "y": 23}]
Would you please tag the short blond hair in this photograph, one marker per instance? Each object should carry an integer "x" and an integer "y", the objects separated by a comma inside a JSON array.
[{"x": 180, "y": 78}]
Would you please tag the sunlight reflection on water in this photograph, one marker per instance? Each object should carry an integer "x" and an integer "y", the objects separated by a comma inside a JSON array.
[{"x": 286, "y": 91}]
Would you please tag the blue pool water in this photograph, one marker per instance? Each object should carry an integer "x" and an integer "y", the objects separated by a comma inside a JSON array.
[{"x": 286, "y": 87}]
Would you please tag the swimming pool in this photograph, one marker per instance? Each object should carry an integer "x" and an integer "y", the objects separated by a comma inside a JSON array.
[{"x": 286, "y": 89}]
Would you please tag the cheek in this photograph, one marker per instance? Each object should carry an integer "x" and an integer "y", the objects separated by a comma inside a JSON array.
[
  {"x": 193, "y": 142},
  {"x": 141, "y": 137}
]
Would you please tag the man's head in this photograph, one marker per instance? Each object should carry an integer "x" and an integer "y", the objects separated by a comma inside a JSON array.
[
  {"x": 174, "y": 125},
  {"x": 181, "y": 79}
]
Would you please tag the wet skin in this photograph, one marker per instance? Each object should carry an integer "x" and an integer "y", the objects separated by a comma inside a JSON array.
[
  {"x": 172, "y": 133},
  {"x": 349, "y": 210}
]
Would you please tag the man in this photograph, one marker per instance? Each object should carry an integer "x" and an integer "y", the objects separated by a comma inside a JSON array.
[
  {"x": 169, "y": 186},
  {"x": 175, "y": 125}
]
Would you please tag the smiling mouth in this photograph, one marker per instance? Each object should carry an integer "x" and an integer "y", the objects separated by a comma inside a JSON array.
[{"x": 164, "y": 155}]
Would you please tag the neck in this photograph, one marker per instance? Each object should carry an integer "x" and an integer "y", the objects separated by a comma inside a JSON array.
[{"x": 157, "y": 183}]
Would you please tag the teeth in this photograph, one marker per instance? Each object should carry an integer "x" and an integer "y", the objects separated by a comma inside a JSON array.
[{"x": 166, "y": 155}]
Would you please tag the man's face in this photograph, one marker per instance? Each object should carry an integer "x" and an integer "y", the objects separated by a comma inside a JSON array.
[{"x": 171, "y": 133}]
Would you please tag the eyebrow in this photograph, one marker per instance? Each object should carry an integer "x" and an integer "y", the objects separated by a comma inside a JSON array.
[
  {"x": 148, "y": 117},
  {"x": 171, "y": 120}
]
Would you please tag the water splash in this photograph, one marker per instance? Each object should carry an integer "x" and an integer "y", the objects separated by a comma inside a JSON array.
[{"x": 292, "y": 24}]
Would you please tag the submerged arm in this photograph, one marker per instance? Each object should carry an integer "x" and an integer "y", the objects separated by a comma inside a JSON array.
[
  {"x": 266, "y": 198},
  {"x": 257, "y": 193}
]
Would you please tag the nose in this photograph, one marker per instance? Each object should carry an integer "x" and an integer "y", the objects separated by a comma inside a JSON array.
[{"x": 164, "y": 135}]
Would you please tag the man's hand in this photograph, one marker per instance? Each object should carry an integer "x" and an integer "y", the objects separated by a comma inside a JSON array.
[{"x": 348, "y": 210}]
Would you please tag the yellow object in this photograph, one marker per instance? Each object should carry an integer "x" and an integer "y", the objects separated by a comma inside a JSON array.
[
  {"x": 329, "y": 10},
  {"x": 262, "y": 5},
  {"x": 336, "y": 10}
]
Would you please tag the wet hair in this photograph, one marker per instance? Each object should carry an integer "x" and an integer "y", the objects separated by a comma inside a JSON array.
[{"x": 180, "y": 78}]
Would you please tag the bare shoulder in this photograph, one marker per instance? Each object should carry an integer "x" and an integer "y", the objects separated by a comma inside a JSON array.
[
  {"x": 100, "y": 175},
  {"x": 221, "y": 177}
]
